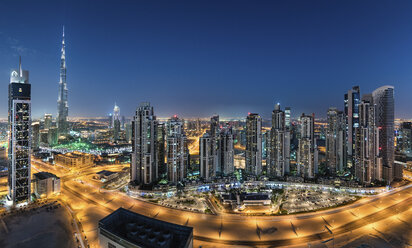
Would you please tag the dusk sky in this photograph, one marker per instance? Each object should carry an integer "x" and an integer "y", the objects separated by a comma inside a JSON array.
[{"x": 199, "y": 58}]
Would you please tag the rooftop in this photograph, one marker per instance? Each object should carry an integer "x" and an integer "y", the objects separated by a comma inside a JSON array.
[
  {"x": 105, "y": 173},
  {"x": 44, "y": 175},
  {"x": 142, "y": 231}
]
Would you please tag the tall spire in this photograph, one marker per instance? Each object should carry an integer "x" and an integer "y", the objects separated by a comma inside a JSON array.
[{"x": 62, "y": 103}]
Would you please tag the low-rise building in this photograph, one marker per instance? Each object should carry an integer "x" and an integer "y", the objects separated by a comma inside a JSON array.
[
  {"x": 124, "y": 228},
  {"x": 46, "y": 184},
  {"x": 105, "y": 175},
  {"x": 246, "y": 198},
  {"x": 74, "y": 159}
]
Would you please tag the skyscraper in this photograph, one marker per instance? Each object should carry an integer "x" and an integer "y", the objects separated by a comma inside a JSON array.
[
  {"x": 278, "y": 155},
  {"x": 19, "y": 150},
  {"x": 253, "y": 153},
  {"x": 161, "y": 150},
  {"x": 226, "y": 151},
  {"x": 383, "y": 97},
  {"x": 405, "y": 140},
  {"x": 116, "y": 122},
  {"x": 307, "y": 158},
  {"x": 214, "y": 134},
  {"x": 35, "y": 135},
  {"x": 367, "y": 158},
  {"x": 287, "y": 117},
  {"x": 143, "y": 169},
  {"x": 352, "y": 100},
  {"x": 48, "y": 121},
  {"x": 62, "y": 103},
  {"x": 206, "y": 157},
  {"x": 177, "y": 150},
  {"x": 336, "y": 141}
]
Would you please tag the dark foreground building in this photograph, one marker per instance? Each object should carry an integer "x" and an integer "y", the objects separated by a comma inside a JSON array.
[{"x": 124, "y": 228}]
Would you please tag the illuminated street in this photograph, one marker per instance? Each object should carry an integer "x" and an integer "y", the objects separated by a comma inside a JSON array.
[{"x": 92, "y": 203}]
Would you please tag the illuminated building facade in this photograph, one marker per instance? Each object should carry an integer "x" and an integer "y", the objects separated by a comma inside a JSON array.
[
  {"x": 116, "y": 122},
  {"x": 35, "y": 136},
  {"x": 287, "y": 118},
  {"x": 177, "y": 150},
  {"x": 46, "y": 184},
  {"x": 278, "y": 154},
  {"x": 226, "y": 151},
  {"x": 352, "y": 100},
  {"x": 307, "y": 157},
  {"x": 336, "y": 141},
  {"x": 405, "y": 139},
  {"x": 62, "y": 102},
  {"x": 383, "y": 97},
  {"x": 74, "y": 159},
  {"x": 161, "y": 150},
  {"x": 253, "y": 153},
  {"x": 206, "y": 157},
  {"x": 19, "y": 149},
  {"x": 143, "y": 169},
  {"x": 368, "y": 163},
  {"x": 48, "y": 121}
]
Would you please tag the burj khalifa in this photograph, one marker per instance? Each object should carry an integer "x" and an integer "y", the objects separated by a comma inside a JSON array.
[{"x": 62, "y": 104}]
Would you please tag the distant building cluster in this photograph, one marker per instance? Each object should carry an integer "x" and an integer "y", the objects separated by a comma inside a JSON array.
[
  {"x": 357, "y": 143},
  {"x": 216, "y": 150}
]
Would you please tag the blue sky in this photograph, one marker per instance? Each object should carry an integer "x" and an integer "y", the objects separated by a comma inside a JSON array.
[{"x": 198, "y": 58}]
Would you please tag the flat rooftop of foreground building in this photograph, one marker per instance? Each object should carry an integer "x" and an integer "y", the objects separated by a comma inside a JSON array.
[
  {"x": 135, "y": 230},
  {"x": 44, "y": 175},
  {"x": 105, "y": 173}
]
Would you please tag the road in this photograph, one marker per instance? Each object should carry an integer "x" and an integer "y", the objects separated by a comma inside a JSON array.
[{"x": 367, "y": 215}]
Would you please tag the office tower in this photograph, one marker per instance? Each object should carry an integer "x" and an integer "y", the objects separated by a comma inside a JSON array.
[
  {"x": 383, "y": 98},
  {"x": 35, "y": 127},
  {"x": 214, "y": 126},
  {"x": 177, "y": 151},
  {"x": 161, "y": 150},
  {"x": 278, "y": 157},
  {"x": 52, "y": 136},
  {"x": 405, "y": 138},
  {"x": 287, "y": 117},
  {"x": 206, "y": 157},
  {"x": 128, "y": 131},
  {"x": 307, "y": 152},
  {"x": 110, "y": 118},
  {"x": 336, "y": 141},
  {"x": 116, "y": 130},
  {"x": 123, "y": 122},
  {"x": 116, "y": 122},
  {"x": 116, "y": 114},
  {"x": 352, "y": 100},
  {"x": 265, "y": 144},
  {"x": 19, "y": 150},
  {"x": 253, "y": 153},
  {"x": 226, "y": 151},
  {"x": 214, "y": 134},
  {"x": 367, "y": 160},
  {"x": 47, "y": 121},
  {"x": 62, "y": 104},
  {"x": 144, "y": 134}
]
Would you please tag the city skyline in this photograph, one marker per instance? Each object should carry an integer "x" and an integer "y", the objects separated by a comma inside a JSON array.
[{"x": 254, "y": 52}]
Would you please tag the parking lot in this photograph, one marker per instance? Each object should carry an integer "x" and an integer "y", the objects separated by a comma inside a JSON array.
[{"x": 301, "y": 200}]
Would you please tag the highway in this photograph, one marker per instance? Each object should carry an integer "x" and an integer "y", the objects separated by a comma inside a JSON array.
[{"x": 92, "y": 203}]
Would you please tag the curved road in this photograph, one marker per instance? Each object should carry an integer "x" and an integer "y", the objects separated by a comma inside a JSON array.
[{"x": 259, "y": 230}]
